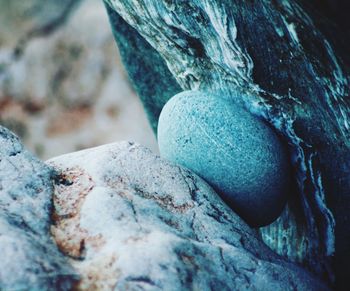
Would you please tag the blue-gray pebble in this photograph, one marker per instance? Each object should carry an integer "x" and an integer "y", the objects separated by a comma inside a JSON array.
[{"x": 237, "y": 153}]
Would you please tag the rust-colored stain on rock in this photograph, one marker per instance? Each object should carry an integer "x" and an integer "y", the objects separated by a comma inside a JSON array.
[
  {"x": 72, "y": 185},
  {"x": 71, "y": 188}
]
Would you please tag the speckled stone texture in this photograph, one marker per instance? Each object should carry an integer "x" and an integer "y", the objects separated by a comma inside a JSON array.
[
  {"x": 131, "y": 220},
  {"x": 29, "y": 259},
  {"x": 295, "y": 67},
  {"x": 234, "y": 151}
]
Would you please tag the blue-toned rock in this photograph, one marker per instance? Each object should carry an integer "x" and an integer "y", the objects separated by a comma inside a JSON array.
[
  {"x": 30, "y": 260},
  {"x": 234, "y": 151},
  {"x": 146, "y": 224}
]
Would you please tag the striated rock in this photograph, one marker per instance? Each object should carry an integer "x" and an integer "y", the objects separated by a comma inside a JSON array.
[
  {"x": 233, "y": 150},
  {"x": 29, "y": 257},
  {"x": 129, "y": 220},
  {"x": 294, "y": 64},
  {"x": 146, "y": 69}
]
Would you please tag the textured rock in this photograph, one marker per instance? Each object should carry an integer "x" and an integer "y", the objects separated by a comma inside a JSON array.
[
  {"x": 130, "y": 220},
  {"x": 295, "y": 67},
  {"x": 233, "y": 150},
  {"x": 29, "y": 258},
  {"x": 146, "y": 69}
]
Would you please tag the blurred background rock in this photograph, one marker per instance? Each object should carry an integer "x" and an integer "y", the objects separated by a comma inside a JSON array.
[{"x": 62, "y": 86}]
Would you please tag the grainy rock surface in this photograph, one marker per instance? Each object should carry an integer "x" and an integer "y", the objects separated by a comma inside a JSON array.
[
  {"x": 130, "y": 220},
  {"x": 29, "y": 257},
  {"x": 295, "y": 67},
  {"x": 233, "y": 150}
]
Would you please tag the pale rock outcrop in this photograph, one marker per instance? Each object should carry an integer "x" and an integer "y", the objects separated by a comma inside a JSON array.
[
  {"x": 29, "y": 257},
  {"x": 131, "y": 220}
]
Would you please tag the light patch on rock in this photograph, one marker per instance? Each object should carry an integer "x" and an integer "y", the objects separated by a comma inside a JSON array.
[{"x": 128, "y": 219}]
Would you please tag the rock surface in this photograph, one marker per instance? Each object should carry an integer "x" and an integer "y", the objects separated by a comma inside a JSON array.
[
  {"x": 146, "y": 69},
  {"x": 296, "y": 66},
  {"x": 130, "y": 220},
  {"x": 30, "y": 259},
  {"x": 233, "y": 150}
]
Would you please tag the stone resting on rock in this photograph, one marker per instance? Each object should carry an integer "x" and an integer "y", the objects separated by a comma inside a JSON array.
[
  {"x": 234, "y": 151},
  {"x": 118, "y": 217},
  {"x": 294, "y": 69}
]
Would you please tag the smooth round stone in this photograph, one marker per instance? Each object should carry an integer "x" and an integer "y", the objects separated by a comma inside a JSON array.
[{"x": 237, "y": 153}]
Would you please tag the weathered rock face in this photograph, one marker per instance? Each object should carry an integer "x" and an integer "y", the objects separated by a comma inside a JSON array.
[
  {"x": 276, "y": 51},
  {"x": 147, "y": 224},
  {"x": 30, "y": 259},
  {"x": 233, "y": 150},
  {"x": 146, "y": 69},
  {"x": 130, "y": 220},
  {"x": 124, "y": 218}
]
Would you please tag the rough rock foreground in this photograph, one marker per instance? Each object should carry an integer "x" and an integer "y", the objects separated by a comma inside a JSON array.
[
  {"x": 124, "y": 218},
  {"x": 29, "y": 256}
]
